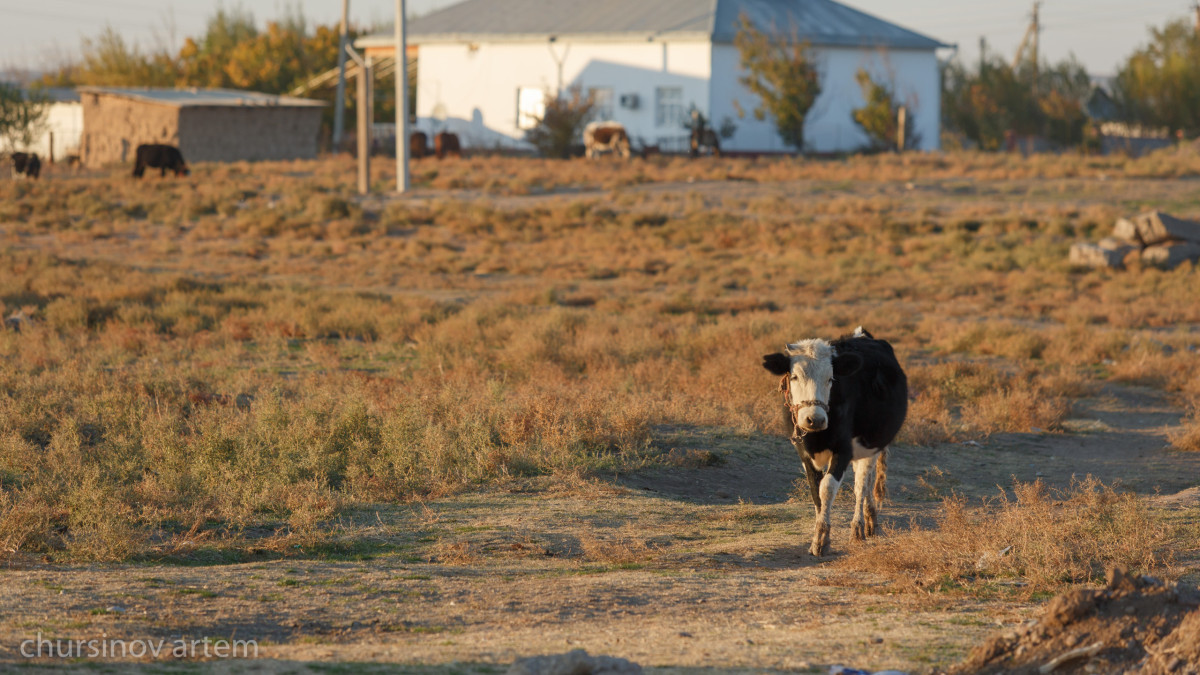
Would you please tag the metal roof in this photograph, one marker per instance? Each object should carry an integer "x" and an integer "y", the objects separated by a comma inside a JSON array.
[
  {"x": 184, "y": 98},
  {"x": 821, "y": 22}
]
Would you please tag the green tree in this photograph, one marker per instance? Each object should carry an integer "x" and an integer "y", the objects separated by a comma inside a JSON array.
[
  {"x": 783, "y": 74},
  {"x": 879, "y": 116},
  {"x": 561, "y": 125},
  {"x": 1159, "y": 85},
  {"x": 996, "y": 98},
  {"x": 22, "y": 116}
]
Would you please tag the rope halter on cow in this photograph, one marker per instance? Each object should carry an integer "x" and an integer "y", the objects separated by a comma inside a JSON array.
[{"x": 798, "y": 434}]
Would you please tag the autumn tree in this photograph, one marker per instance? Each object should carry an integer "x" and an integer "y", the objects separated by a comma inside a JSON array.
[
  {"x": 985, "y": 103},
  {"x": 784, "y": 75},
  {"x": 561, "y": 124},
  {"x": 879, "y": 117},
  {"x": 1159, "y": 85}
]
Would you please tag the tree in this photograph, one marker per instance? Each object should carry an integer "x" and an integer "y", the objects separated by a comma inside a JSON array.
[
  {"x": 561, "y": 124},
  {"x": 1159, "y": 85},
  {"x": 783, "y": 74},
  {"x": 996, "y": 99},
  {"x": 22, "y": 116},
  {"x": 880, "y": 115}
]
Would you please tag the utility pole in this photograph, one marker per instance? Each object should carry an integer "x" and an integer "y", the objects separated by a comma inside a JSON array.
[
  {"x": 339, "y": 105},
  {"x": 1037, "y": 32},
  {"x": 402, "y": 178},
  {"x": 364, "y": 120},
  {"x": 982, "y": 53}
]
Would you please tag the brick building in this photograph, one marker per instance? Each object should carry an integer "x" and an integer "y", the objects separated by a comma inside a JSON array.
[{"x": 208, "y": 125}]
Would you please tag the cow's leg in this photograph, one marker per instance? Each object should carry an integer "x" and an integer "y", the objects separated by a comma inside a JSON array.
[
  {"x": 863, "y": 525},
  {"x": 875, "y": 497},
  {"x": 829, "y": 489},
  {"x": 814, "y": 483}
]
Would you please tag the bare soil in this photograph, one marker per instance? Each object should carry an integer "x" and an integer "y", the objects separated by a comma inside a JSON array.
[
  {"x": 699, "y": 566},
  {"x": 1136, "y": 624}
]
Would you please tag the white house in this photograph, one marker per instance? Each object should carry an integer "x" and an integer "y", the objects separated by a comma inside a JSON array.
[
  {"x": 62, "y": 126},
  {"x": 485, "y": 66}
]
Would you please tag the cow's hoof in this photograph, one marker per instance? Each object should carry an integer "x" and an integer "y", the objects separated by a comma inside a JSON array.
[
  {"x": 820, "y": 544},
  {"x": 870, "y": 518},
  {"x": 860, "y": 530}
]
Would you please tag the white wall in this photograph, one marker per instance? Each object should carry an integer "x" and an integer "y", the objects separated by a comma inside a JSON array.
[
  {"x": 474, "y": 86},
  {"x": 65, "y": 120},
  {"x": 830, "y": 127}
]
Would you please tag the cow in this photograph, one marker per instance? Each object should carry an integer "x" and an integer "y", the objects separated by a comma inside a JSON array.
[
  {"x": 418, "y": 145},
  {"x": 26, "y": 164},
  {"x": 843, "y": 402},
  {"x": 446, "y": 143},
  {"x": 601, "y": 137},
  {"x": 704, "y": 140},
  {"x": 162, "y": 157}
]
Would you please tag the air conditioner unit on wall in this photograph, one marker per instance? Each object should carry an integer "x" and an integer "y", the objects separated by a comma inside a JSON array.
[{"x": 630, "y": 101}]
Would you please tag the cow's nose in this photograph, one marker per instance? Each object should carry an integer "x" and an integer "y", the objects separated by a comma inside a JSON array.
[{"x": 810, "y": 422}]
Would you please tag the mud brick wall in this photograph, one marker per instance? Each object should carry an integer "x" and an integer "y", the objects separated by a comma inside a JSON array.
[
  {"x": 113, "y": 127},
  {"x": 234, "y": 133}
]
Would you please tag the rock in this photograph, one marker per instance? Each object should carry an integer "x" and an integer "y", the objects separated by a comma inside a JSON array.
[
  {"x": 1170, "y": 255},
  {"x": 1115, "y": 244},
  {"x": 1091, "y": 255},
  {"x": 574, "y": 662},
  {"x": 1125, "y": 230},
  {"x": 1156, "y": 227},
  {"x": 1070, "y": 607}
]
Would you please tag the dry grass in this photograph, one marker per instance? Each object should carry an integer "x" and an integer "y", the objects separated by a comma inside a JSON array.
[
  {"x": 1187, "y": 436},
  {"x": 237, "y": 359},
  {"x": 1041, "y": 537}
]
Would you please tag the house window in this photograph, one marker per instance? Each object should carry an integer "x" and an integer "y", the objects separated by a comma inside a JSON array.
[
  {"x": 602, "y": 103},
  {"x": 668, "y": 106},
  {"x": 531, "y": 107}
]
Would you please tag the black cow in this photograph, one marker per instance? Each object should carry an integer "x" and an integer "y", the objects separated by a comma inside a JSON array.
[
  {"x": 157, "y": 156},
  {"x": 26, "y": 164},
  {"x": 843, "y": 402}
]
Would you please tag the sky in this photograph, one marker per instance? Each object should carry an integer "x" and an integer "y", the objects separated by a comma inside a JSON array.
[{"x": 1100, "y": 33}]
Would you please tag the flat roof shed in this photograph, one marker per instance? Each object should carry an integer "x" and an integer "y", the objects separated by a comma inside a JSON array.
[{"x": 208, "y": 125}]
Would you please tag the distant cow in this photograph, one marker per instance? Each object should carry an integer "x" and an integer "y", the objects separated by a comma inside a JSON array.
[
  {"x": 162, "y": 157},
  {"x": 705, "y": 140},
  {"x": 601, "y": 137},
  {"x": 26, "y": 164},
  {"x": 446, "y": 143},
  {"x": 844, "y": 402},
  {"x": 418, "y": 145}
]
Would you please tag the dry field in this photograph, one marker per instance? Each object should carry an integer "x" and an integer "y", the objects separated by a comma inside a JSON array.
[{"x": 521, "y": 411}]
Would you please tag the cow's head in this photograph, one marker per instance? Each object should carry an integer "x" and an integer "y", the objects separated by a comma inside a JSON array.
[
  {"x": 809, "y": 368},
  {"x": 182, "y": 170}
]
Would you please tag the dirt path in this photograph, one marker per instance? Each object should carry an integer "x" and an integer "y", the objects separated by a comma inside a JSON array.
[{"x": 680, "y": 569}]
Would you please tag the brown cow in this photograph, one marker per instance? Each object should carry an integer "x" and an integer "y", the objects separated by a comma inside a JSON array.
[
  {"x": 418, "y": 145},
  {"x": 446, "y": 143},
  {"x": 601, "y": 137}
]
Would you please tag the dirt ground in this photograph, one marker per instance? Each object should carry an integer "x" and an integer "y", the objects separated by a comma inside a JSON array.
[
  {"x": 682, "y": 569},
  {"x": 697, "y": 568}
]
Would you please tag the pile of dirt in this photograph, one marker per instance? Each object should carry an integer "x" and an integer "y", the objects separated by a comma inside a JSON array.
[{"x": 1135, "y": 625}]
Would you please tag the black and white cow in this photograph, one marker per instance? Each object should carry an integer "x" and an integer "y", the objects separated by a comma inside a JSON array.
[
  {"x": 844, "y": 401},
  {"x": 26, "y": 164}
]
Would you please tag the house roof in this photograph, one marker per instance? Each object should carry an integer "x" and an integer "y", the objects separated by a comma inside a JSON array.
[
  {"x": 821, "y": 22},
  {"x": 185, "y": 98}
]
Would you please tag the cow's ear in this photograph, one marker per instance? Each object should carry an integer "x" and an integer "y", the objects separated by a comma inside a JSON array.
[
  {"x": 777, "y": 363},
  {"x": 845, "y": 365}
]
